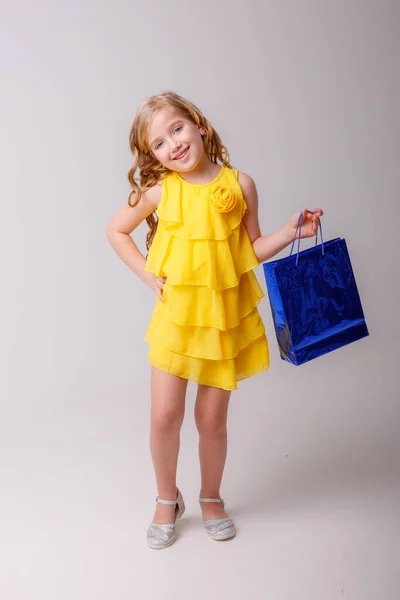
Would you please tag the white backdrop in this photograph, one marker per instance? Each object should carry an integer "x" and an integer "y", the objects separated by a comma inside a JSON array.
[{"x": 305, "y": 95}]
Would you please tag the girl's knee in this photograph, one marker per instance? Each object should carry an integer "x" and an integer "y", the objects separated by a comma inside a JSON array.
[
  {"x": 167, "y": 419},
  {"x": 212, "y": 424}
]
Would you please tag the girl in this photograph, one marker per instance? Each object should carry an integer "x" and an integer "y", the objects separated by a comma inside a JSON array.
[{"x": 202, "y": 249}]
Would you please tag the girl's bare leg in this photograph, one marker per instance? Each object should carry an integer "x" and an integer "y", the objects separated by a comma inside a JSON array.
[
  {"x": 168, "y": 394},
  {"x": 211, "y": 410}
]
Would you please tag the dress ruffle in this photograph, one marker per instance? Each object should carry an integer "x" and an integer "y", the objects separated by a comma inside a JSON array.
[
  {"x": 202, "y": 306},
  {"x": 204, "y": 342},
  {"x": 217, "y": 264},
  {"x": 217, "y": 373},
  {"x": 208, "y": 328}
]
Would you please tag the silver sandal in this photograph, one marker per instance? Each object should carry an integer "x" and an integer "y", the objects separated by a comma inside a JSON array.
[
  {"x": 161, "y": 536},
  {"x": 219, "y": 529}
]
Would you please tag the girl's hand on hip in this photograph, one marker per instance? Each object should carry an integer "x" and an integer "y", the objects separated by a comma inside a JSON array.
[
  {"x": 309, "y": 222},
  {"x": 157, "y": 285}
]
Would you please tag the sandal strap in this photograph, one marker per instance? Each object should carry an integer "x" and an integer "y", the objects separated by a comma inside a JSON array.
[
  {"x": 212, "y": 500},
  {"x": 168, "y": 501},
  {"x": 165, "y": 501}
]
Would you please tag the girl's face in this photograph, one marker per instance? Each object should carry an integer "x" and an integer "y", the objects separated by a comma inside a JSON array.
[{"x": 176, "y": 141}]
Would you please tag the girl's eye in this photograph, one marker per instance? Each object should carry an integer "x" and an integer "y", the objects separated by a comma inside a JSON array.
[{"x": 177, "y": 129}]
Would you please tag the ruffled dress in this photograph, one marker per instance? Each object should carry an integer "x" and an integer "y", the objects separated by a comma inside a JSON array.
[{"x": 208, "y": 328}]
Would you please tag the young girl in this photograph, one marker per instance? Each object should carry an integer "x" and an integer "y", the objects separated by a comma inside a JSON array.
[{"x": 202, "y": 249}]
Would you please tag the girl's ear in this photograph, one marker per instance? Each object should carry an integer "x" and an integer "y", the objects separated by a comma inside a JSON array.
[{"x": 202, "y": 131}]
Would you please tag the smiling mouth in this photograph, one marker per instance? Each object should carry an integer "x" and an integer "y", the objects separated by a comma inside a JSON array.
[{"x": 182, "y": 154}]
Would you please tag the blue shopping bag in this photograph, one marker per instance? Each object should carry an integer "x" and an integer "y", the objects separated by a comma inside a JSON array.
[{"x": 314, "y": 300}]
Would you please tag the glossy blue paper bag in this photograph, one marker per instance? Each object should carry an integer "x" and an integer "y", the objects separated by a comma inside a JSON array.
[{"x": 314, "y": 300}]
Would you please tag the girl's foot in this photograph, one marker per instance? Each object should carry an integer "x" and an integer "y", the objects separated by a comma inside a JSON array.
[
  {"x": 217, "y": 522},
  {"x": 161, "y": 535},
  {"x": 212, "y": 510},
  {"x": 164, "y": 513}
]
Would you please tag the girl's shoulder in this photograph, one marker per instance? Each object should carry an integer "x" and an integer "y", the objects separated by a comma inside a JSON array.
[
  {"x": 240, "y": 179},
  {"x": 153, "y": 194},
  {"x": 245, "y": 180},
  {"x": 249, "y": 190}
]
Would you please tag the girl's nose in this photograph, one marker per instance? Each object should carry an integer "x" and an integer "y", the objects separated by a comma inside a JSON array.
[{"x": 175, "y": 146}]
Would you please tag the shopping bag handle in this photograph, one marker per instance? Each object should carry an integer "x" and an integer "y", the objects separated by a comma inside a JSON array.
[{"x": 298, "y": 228}]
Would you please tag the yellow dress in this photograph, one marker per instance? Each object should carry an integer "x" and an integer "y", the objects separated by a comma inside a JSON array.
[{"x": 208, "y": 329}]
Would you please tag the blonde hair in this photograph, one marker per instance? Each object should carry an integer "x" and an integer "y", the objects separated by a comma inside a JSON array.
[{"x": 151, "y": 170}]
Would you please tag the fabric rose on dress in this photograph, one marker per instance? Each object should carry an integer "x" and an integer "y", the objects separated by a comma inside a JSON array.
[{"x": 223, "y": 199}]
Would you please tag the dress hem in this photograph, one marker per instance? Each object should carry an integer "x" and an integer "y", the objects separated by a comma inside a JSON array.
[{"x": 260, "y": 369}]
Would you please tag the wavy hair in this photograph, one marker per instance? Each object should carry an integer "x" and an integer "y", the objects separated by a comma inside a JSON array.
[{"x": 151, "y": 171}]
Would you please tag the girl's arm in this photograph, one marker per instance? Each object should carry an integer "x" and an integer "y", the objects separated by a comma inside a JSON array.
[
  {"x": 121, "y": 226},
  {"x": 267, "y": 246}
]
